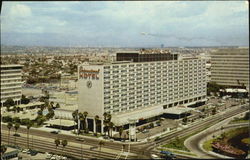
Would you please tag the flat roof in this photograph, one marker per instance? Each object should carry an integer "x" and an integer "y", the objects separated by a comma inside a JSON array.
[
  {"x": 30, "y": 104},
  {"x": 61, "y": 122},
  {"x": 232, "y": 90},
  {"x": 11, "y": 65},
  {"x": 28, "y": 115},
  {"x": 177, "y": 110},
  {"x": 142, "y": 113}
]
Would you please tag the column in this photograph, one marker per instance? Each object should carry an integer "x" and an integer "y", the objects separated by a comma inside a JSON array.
[
  {"x": 94, "y": 127},
  {"x": 78, "y": 124},
  {"x": 102, "y": 127}
]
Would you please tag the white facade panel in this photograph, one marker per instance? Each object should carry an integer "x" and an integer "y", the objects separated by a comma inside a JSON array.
[{"x": 90, "y": 85}]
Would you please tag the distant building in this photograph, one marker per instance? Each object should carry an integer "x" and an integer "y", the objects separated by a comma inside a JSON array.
[
  {"x": 230, "y": 67},
  {"x": 146, "y": 56},
  {"x": 139, "y": 90},
  {"x": 11, "y": 83}
]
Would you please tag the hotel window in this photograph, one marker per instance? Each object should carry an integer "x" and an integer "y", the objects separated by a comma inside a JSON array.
[{"x": 106, "y": 67}]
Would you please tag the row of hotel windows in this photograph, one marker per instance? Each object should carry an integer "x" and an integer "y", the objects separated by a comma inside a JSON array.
[
  {"x": 12, "y": 93},
  {"x": 156, "y": 82},
  {"x": 157, "y": 73},
  {"x": 133, "y": 95},
  {"x": 152, "y": 88},
  {"x": 172, "y": 63},
  {"x": 131, "y": 105},
  {"x": 158, "y": 85},
  {"x": 116, "y": 79},
  {"x": 10, "y": 85},
  {"x": 153, "y": 69},
  {"x": 13, "y": 97},
  {"x": 139, "y": 99},
  {"x": 10, "y": 76},
  {"x": 10, "y": 81},
  {"x": 11, "y": 89}
]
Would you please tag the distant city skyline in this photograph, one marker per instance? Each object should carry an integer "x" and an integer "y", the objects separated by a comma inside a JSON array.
[{"x": 125, "y": 23}]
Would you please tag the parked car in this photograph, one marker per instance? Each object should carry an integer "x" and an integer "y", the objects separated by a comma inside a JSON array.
[
  {"x": 145, "y": 131},
  {"x": 54, "y": 132}
]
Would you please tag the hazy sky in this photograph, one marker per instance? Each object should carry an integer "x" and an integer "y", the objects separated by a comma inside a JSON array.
[{"x": 125, "y": 23}]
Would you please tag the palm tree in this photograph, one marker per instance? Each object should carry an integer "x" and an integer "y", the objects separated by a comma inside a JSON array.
[
  {"x": 120, "y": 131},
  {"x": 107, "y": 119},
  {"x": 29, "y": 125},
  {"x": 96, "y": 122},
  {"x": 85, "y": 114},
  {"x": 3, "y": 149},
  {"x": 9, "y": 126},
  {"x": 110, "y": 126},
  {"x": 75, "y": 117},
  {"x": 64, "y": 143},
  {"x": 57, "y": 105},
  {"x": 108, "y": 122},
  {"x": 101, "y": 143},
  {"x": 51, "y": 104},
  {"x": 57, "y": 142},
  {"x": 105, "y": 122},
  {"x": 17, "y": 126},
  {"x": 81, "y": 118}
]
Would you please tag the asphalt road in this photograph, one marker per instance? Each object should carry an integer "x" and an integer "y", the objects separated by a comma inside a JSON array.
[
  {"x": 143, "y": 149},
  {"x": 194, "y": 143}
]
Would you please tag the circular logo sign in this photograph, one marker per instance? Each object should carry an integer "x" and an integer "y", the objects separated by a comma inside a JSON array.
[{"x": 89, "y": 84}]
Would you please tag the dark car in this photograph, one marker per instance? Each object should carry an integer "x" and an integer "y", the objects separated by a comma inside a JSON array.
[{"x": 54, "y": 132}]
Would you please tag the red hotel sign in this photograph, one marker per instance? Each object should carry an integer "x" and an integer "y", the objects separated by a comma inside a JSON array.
[{"x": 84, "y": 73}]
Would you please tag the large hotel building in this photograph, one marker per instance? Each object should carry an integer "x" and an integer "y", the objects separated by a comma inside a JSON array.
[
  {"x": 140, "y": 89},
  {"x": 11, "y": 83},
  {"x": 230, "y": 67}
]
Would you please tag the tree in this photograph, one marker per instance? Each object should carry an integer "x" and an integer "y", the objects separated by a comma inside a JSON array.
[
  {"x": 97, "y": 118},
  {"x": 16, "y": 120},
  {"x": 24, "y": 100},
  {"x": 110, "y": 126},
  {"x": 57, "y": 142},
  {"x": 40, "y": 112},
  {"x": 3, "y": 149},
  {"x": 64, "y": 143},
  {"x": 29, "y": 125},
  {"x": 101, "y": 143},
  {"x": 75, "y": 118},
  {"x": 9, "y": 102},
  {"x": 51, "y": 114},
  {"x": 9, "y": 126},
  {"x": 51, "y": 104},
  {"x": 121, "y": 131},
  {"x": 213, "y": 111},
  {"x": 247, "y": 116},
  {"x": 57, "y": 105},
  {"x": 17, "y": 126},
  {"x": 85, "y": 114},
  {"x": 184, "y": 120},
  {"x": 81, "y": 118},
  {"x": 107, "y": 120},
  {"x": 105, "y": 114}
]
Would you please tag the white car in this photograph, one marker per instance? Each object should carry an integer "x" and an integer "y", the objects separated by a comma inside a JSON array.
[
  {"x": 154, "y": 156},
  {"x": 25, "y": 150}
]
